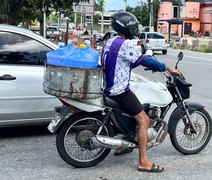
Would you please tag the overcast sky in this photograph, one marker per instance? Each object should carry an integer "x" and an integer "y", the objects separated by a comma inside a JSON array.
[{"x": 119, "y": 4}]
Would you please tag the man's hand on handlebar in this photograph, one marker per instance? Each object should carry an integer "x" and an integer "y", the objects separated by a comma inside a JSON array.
[{"x": 173, "y": 71}]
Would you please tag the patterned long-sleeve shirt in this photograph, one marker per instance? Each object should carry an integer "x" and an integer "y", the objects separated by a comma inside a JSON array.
[{"x": 119, "y": 57}]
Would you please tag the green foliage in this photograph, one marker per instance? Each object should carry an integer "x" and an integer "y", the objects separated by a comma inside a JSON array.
[
  {"x": 100, "y": 5},
  {"x": 11, "y": 11},
  {"x": 96, "y": 18},
  {"x": 174, "y": 2},
  {"x": 204, "y": 48},
  {"x": 141, "y": 12},
  {"x": 16, "y": 11}
]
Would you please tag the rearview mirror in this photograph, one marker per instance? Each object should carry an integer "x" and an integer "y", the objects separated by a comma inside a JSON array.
[{"x": 180, "y": 56}]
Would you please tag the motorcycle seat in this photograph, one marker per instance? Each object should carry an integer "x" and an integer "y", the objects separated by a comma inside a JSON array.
[{"x": 111, "y": 103}]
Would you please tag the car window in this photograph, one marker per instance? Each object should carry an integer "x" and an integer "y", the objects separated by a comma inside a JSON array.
[
  {"x": 154, "y": 36},
  {"x": 106, "y": 37},
  {"x": 51, "y": 29},
  {"x": 113, "y": 34},
  {"x": 142, "y": 36},
  {"x": 109, "y": 35},
  {"x": 19, "y": 49}
]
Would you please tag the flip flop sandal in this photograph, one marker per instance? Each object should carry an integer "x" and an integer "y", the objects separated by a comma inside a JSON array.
[
  {"x": 154, "y": 168},
  {"x": 125, "y": 151}
]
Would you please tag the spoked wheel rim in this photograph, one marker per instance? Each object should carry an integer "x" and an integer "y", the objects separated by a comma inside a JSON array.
[
  {"x": 77, "y": 140},
  {"x": 189, "y": 140}
]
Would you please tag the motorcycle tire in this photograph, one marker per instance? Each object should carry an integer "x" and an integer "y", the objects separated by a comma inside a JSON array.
[
  {"x": 76, "y": 149},
  {"x": 187, "y": 142}
]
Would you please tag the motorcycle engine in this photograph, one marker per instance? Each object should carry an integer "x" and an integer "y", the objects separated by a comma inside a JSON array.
[
  {"x": 152, "y": 133},
  {"x": 157, "y": 128},
  {"x": 153, "y": 116},
  {"x": 153, "y": 123}
]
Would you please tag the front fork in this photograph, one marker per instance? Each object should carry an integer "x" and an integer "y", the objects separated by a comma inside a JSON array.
[
  {"x": 186, "y": 116},
  {"x": 183, "y": 111}
]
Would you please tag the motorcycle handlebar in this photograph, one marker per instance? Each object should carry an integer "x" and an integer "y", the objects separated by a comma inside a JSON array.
[{"x": 147, "y": 69}]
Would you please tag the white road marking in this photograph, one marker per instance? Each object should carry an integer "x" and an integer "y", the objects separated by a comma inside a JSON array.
[{"x": 194, "y": 57}]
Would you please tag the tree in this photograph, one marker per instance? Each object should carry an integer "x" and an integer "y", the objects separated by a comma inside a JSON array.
[
  {"x": 16, "y": 11},
  {"x": 101, "y": 5},
  {"x": 48, "y": 6},
  {"x": 141, "y": 12},
  {"x": 10, "y": 11}
]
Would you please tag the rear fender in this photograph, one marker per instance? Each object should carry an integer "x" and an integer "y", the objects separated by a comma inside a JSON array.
[
  {"x": 88, "y": 105},
  {"x": 61, "y": 112},
  {"x": 175, "y": 117}
]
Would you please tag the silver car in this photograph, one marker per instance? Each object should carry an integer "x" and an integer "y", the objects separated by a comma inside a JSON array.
[
  {"x": 97, "y": 34},
  {"x": 154, "y": 41},
  {"x": 52, "y": 30},
  {"x": 22, "y": 59}
]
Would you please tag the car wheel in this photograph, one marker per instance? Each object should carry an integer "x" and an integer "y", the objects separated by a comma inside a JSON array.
[
  {"x": 164, "y": 51},
  {"x": 143, "y": 50}
]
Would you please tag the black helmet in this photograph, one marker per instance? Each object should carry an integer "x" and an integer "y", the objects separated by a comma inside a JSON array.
[{"x": 125, "y": 23}]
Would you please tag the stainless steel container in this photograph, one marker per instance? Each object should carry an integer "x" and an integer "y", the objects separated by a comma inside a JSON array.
[{"x": 74, "y": 83}]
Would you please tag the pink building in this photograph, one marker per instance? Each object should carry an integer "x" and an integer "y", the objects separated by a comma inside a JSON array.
[
  {"x": 205, "y": 15},
  {"x": 193, "y": 16}
]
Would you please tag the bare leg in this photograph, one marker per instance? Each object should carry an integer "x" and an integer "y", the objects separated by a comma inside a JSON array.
[{"x": 143, "y": 123}]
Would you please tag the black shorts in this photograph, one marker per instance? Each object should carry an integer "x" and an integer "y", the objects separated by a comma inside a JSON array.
[{"x": 129, "y": 102}]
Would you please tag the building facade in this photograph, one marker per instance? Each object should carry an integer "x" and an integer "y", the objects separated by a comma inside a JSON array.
[
  {"x": 205, "y": 15},
  {"x": 196, "y": 16}
]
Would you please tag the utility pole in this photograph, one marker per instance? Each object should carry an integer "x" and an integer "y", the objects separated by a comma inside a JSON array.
[
  {"x": 125, "y": 4},
  {"x": 102, "y": 21},
  {"x": 44, "y": 21},
  {"x": 151, "y": 22},
  {"x": 179, "y": 3}
]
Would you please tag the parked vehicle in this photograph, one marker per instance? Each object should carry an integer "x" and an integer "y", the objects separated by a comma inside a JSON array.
[
  {"x": 108, "y": 35},
  {"x": 154, "y": 41},
  {"x": 86, "y": 136},
  {"x": 135, "y": 42},
  {"x": 96, "y": 33},
  {"x": 22, "y": 56},
  {"x": 52, "y": 30},
  {"x": 37, "y": 31}
]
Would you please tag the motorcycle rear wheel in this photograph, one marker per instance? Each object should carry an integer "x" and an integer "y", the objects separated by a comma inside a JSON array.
[
  {"x": 188, "y": 142},
  {"x": 73, "y": 139}
]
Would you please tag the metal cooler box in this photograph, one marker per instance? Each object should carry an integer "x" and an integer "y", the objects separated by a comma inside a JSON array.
[{"x": 73, "y": 83}]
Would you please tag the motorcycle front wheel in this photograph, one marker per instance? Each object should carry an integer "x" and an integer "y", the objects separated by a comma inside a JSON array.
[
  {"x": 188, "y": 142},
  {"x": 74, "y": 137}
]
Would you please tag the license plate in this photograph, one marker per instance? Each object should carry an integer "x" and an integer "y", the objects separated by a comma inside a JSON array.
[{"x": 53, "y": 124}]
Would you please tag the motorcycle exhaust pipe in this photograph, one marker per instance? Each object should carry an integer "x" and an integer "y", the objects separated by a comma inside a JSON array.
[{"x": 100, "y": 141}]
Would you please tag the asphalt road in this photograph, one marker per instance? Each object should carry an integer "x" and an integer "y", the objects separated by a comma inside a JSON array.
[{"x": 30, "y": 153}]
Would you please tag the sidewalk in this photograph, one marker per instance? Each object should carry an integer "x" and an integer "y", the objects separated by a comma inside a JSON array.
[{"x": 202, "y": 44}]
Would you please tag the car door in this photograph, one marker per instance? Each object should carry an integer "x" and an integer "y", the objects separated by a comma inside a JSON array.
[{"x": 22, "y": 101}]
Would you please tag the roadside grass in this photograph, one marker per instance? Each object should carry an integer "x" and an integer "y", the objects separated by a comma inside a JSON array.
[
  {"x": 198, "y": 48},
  {"x": 204, "y": 48}
]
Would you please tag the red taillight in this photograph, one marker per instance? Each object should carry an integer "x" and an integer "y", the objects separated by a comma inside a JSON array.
[
  {"x": 166, "y": 41},
  {"x": 63, "y": 102},
  {"x": 147, "y": 40},
  {"x": 139, "y": 43},
  {"x": 71, "y": 110}
]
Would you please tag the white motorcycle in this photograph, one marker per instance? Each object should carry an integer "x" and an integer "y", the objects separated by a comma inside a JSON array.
[{"x": 87, "y": 130}]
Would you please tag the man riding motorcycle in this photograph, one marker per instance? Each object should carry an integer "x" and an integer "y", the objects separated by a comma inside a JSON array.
[{"x": 119, "y": 57}]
